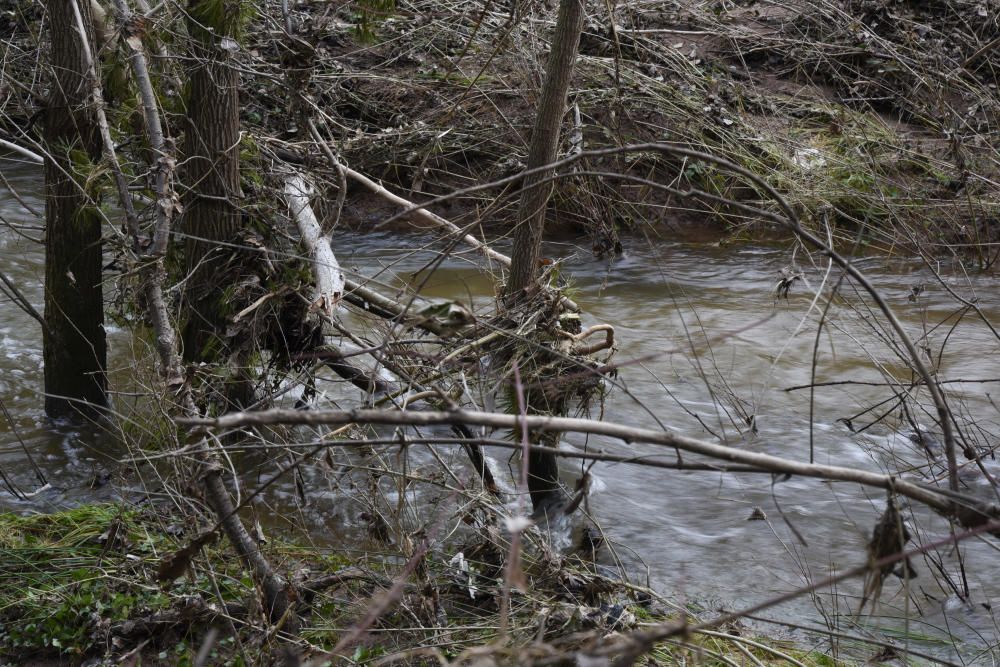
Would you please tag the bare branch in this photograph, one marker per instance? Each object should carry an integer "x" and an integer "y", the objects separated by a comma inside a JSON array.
[
  {"x": 629, "y": 434},
  {"x": 326, "y": 270}
]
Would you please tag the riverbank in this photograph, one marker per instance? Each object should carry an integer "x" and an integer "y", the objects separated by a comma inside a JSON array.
[
  {"x": 876, "y": 121},
  {"x": 103, "y": 584}
]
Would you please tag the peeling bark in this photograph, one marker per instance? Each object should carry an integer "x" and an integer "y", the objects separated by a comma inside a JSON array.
[{"x": 326, "y": 270}]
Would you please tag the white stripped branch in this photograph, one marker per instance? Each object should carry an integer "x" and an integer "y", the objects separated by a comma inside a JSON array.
[{"x": 326, "y": 270}]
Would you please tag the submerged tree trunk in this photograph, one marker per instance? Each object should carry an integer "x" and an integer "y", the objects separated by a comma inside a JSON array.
[
  {"x": 211, "y": 151},
  {"x": 544, "y": 147},
  {"x": 75, "y": 349},
  {"x": 543, "y": 470}
]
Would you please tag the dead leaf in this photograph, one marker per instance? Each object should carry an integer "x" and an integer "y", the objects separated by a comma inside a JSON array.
[{"x": 173, "y": 566}]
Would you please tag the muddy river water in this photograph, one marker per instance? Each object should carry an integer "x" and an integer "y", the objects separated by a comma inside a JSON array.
[{"x": 713, "y": 346}]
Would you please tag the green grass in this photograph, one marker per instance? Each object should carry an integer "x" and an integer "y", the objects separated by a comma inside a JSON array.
[{"x": 67, "y": 578}]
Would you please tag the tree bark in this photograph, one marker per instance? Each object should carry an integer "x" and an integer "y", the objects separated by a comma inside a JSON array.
[
  {"x": 75, "y": 349},
  {"x": 211, "y": 220},
  {"x": 326, "y": 269},
  {"x": 543, "y": 473},
  {"x": 544, "y": 147},
  {"x": 277, "y": 592},
  {"x": 543, "y": 469},
  {"x": 212, "y": 216}
]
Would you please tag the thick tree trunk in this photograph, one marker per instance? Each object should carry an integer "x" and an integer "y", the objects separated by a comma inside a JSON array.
[
  {"x": 74, "y": 343},
  {"x": 544, "y": 147},
  {"x": 212, "y": 217},
  {"x": 211, "y": 222}
]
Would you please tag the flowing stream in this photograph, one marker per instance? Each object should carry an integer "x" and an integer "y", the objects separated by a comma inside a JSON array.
[{"x": 707, "y": 348}]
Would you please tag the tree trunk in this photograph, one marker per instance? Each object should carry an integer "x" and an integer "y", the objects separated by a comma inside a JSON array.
[
  {"x": 544, "y": 147},
  {"x": 211, "y": 150},
  {"x": 75, "y": 349},
  {"x": 277, "y": 592},
  {"x": 211, "y": 222},
  {"x": 543, "y": 469}
]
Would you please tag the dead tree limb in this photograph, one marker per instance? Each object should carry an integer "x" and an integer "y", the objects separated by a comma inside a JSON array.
[
  {"x": 330, "y": 285},
  {"x": 935, "y": 499},
  {"x": 30, "y": 155},
  {"x": 325, "y": 268},
  {"x": 426, "y": 215}
]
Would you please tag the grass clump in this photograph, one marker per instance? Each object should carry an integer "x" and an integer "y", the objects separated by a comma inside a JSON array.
[
  {"x": 82, "y": 581},
  {"x": 82, "y": 584}
]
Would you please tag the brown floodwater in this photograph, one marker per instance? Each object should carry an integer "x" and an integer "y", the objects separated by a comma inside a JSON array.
[{"x": 705, "y": 344}]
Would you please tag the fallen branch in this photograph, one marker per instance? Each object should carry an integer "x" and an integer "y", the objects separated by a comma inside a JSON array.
[
  {"x": 326, "y": 270},
  {"x": 345, "y": 575},
  {"x": 606, "y": 344},
  {"x": 426, "y": 215},
  {"x": 341, "y": 176},
  {"x": 21, "y": 150},
  {"x": 371, "y": 301},
  {"x": 941, "y": 502},
  {"x": 328, "y": 276}
]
